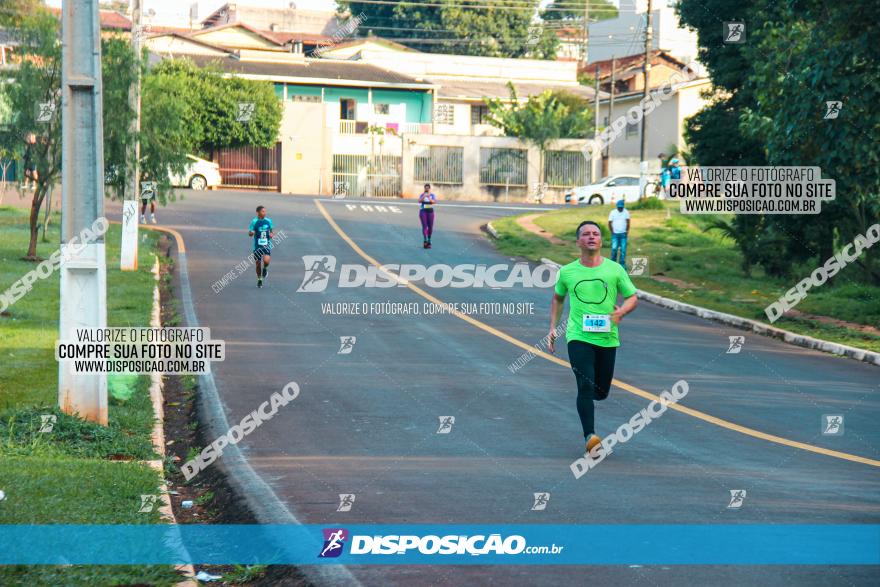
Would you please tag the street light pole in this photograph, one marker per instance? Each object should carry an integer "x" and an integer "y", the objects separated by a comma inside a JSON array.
[
  {"x": 595, "y": 120},
  {"x": 607, "y": 155},
  {"x": 128, "y": 257},
  {"x": 643, "y": 162},
  {"x": 585, "y": 48},
  {"x": 83, "y": 302}
]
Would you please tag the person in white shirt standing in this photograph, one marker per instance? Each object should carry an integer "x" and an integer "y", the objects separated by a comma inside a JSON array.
[{"x": 618, "y": 223}]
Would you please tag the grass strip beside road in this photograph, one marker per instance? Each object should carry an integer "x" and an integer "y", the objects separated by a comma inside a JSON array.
[
  {"x": 67, "y": 476},
  {"x": 702, "y": 268}
]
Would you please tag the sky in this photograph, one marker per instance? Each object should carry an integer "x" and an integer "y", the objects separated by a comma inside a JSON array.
[{"x": 171, "y": 10}]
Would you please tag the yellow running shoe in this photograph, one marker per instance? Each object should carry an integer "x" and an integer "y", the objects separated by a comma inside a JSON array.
[{"x": 594, "y": 446}]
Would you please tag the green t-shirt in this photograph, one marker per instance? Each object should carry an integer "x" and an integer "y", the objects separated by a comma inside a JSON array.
[{"x": 593, "y": 290}]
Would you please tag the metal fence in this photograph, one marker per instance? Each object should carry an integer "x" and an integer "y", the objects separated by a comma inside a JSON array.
[
  {"x": 565, "y": 169},
  {"x": 11, "y": 169},
  {"x": 367, "y": 176},
  {"x": 503, "y": 166},
  {"x": 251, "y": 167},
  {"x": 441, "y": 165}
]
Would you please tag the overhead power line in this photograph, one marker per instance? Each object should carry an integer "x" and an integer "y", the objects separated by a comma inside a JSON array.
[{"x": 481, "y": 5}]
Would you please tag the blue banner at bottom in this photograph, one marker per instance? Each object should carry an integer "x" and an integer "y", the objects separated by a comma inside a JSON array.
[{"x": 747, "y": 544}]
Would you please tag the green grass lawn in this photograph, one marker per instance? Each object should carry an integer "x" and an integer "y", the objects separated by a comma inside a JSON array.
[
  {"x": 708, "y": 270},
  {"x": 69, "y": 476}
]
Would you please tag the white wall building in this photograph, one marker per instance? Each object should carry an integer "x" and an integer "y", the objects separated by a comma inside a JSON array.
[
  {"x": 464, "y": 82},
  {"x": 665, "y": 126}
]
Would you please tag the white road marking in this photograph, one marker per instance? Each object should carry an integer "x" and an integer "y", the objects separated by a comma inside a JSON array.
[{"x": 439, "y": 205}]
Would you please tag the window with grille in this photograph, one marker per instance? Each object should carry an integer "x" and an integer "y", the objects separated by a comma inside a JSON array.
[
  {"x": 444, "y": 114},
  {"x": 479, "y": 114},
  {"x": 503, "y": 166},
  {"x": 632, "y": 129},
  {"x": 442, "y": 165},
  {"x": 565, "y": 169}
]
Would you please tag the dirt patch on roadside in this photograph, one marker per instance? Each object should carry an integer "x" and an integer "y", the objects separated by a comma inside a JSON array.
[
  {"x": 527, "y": 222},
  {"x": 671, "y": 280},
  {"x": 863, "y": 328},
  {"x": 214, "y": 500}
]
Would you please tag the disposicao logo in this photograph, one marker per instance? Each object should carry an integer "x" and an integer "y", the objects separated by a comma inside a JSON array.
[
  {"x": 334, "y": 540},
  {"x": 320, "y": 268}
]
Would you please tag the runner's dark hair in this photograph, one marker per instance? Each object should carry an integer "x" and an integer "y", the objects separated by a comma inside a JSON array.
[
  {"x": 260, "y": 208},
  {"x": 577, "y": 233}
]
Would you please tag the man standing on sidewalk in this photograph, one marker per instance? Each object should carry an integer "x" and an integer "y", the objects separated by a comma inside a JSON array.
[{"x": 618, "y": 224}]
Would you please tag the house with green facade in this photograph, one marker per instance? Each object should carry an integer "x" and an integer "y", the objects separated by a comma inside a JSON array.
[
  {"x": 366, "y": 95},
  {"x": 382, "y": 125}
]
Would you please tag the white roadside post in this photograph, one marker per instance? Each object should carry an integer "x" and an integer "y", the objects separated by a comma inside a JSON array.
[
  {"x": 128, "y": 256},
  {"x": 83, "y": 301}
]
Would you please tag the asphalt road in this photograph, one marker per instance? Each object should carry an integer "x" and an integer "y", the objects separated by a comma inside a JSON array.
[{"x": 366, "y": 422}]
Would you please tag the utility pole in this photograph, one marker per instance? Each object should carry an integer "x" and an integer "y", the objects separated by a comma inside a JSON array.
[
  {"x": 643, "y": 162},
  {"x": 128, "y": 258},
  {"x": 83, "y": 272},
  {"x": 607, "y": 154},
  {"x": 586, "y": 39},
  {"x": 595, "y": 119}
]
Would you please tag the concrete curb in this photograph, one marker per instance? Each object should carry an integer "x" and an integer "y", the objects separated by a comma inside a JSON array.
[
  {"x": 761, "y": 328},
  {"x": 262, "y": 501},
  {"x": 490, "y": 230},
  {"x": 158, "y": 435},
  {"x": 755, "y": 326}
]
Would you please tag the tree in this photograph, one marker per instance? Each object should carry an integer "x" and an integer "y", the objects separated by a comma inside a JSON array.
[
  {"x": 827, "y": 56},
  {"x": 184, "y": 110},
  {"x": 33, "y": 93},
  {"x": 118, "y": 66},
  {"x": 117, "y": 5},
  {"x": 213, "y": 101},
  {"x": 545, "y": 43},
  {"x": 13, "y": 11},
  {"x": 493, "y": 32},
  {"x": 769, "y": 110},
  {"x": 573, "y": 10},
  {"x": 492, "y": 28},
  {"x": 542, "y": 119}
]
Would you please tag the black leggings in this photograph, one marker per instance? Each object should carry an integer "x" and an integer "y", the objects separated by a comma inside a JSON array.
[{"x": 593, "y": 368}]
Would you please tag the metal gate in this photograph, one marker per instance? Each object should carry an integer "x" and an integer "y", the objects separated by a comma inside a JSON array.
[
  {"x": 251, "y": 167},
  {"x": 565, "y": 169},
  {"x": 367, "y": 176}
]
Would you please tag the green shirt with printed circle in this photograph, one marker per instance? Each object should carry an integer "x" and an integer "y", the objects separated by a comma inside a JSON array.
[{"x": 593, "y": 290}]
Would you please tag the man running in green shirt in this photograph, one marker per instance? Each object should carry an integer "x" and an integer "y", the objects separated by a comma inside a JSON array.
[{"x": 593, "y": 282}]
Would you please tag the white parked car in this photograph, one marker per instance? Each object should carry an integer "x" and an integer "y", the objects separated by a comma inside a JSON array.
[
  {"x": 200, "y": 174},
  {"x": 606, "y": 191}
]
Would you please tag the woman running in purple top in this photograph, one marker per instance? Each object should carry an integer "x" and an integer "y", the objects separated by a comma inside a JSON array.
[{"x": 426, "y": 215}]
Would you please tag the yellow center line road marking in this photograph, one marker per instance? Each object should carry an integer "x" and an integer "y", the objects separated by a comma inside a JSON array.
[
  {"x": 625, "y": 386},
  {"x": 177, "y": 236}
]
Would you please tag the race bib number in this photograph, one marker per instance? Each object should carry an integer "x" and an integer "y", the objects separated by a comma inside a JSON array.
[
  {"x": 262, "y": 240},
  {"x": 597, "y": 323}
]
